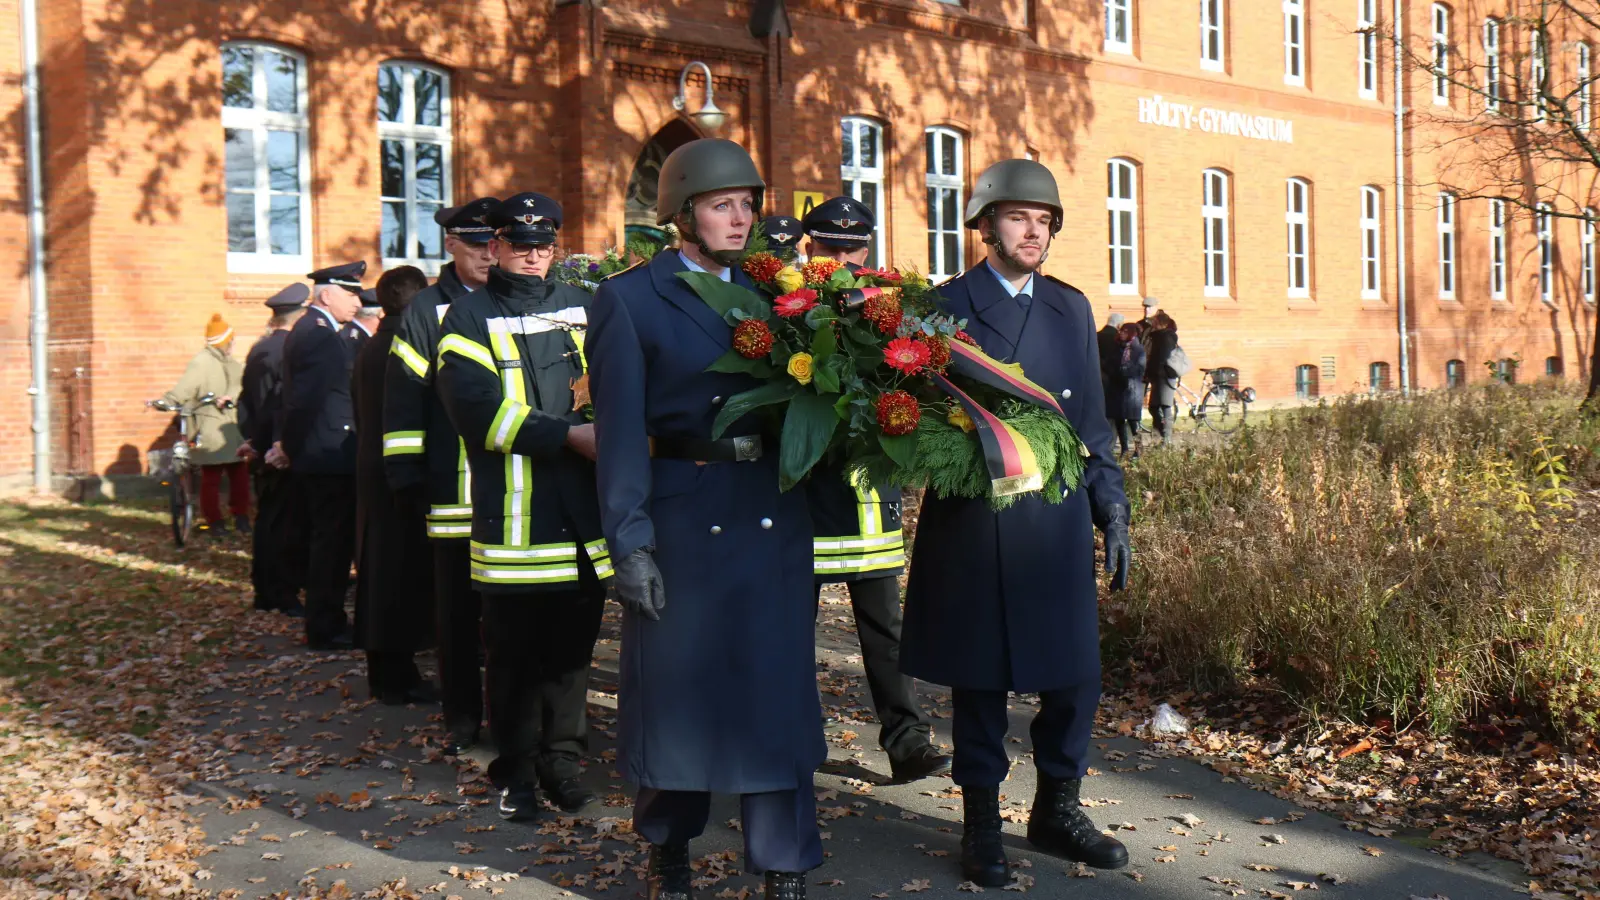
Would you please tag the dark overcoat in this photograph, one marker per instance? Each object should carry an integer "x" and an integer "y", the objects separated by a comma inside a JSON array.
[
  {"x": 1007, "y": 601},
  {"x": 259, "y": 392},
  {"x": 1108, "y": 343},
  {"x": 394, "y": 567},
  {"x": 1159, "y": 344},
  {"x": 317, "y": 421},
  {"x": 1125, "y": 400},
  {"x": 720, "y": 694}
]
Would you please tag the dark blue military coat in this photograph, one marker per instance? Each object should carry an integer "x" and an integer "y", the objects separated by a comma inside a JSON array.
[
  {"x": 1007, "y": 601},
  {"x": 720, "y": 694},
  {"x": 318, "y": 419}
]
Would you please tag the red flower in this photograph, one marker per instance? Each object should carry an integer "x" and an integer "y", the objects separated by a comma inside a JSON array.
[
  {"x": 965, "y": 338},
  {"x": 898, "y": 413},
  {"x": 883, "y": 311},
  {"x": 938, "y": 352},
  {"x": 795, "y": 304},
  {"x": 762, "y": 267},
  {"x": 819, "y": 270},
  {"x": 906, "y": 355},
  {"x": 881, "y": 274},
  {"x": 752, "y": 338}
]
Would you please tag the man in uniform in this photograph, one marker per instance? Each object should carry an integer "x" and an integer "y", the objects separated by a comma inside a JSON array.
[
  {"x": 783, "y": 235},
  {"x": 425, "y": 461},
  {"x": 1007, "y": 601},
  {"x": 508, "y": 356},
  {"x": 719, "y": 687},
  {"x": 272, "y": 573},
  {"x": 859, "y": 541},
  {"x": 365, "y": 324},
  {"x": 318, "y": 437}
]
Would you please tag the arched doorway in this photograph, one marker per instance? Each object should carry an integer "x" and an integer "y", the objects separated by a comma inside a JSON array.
[{"x": 639, "y": 217}]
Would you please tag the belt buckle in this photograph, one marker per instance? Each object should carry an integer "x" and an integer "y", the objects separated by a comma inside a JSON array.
[{"x": 747, "y": 448}]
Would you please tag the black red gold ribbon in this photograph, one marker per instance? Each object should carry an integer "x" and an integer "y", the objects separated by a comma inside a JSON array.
[
  {"x": 969, "y": 361},
  {"x": 1013, "y": 466}
]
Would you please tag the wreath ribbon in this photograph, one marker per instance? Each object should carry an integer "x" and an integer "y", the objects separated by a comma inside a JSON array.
[{"x": 1012, "y": 464}]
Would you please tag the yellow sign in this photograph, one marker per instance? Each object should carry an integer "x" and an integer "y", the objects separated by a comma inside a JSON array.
[{"x": 806, "y": 201}]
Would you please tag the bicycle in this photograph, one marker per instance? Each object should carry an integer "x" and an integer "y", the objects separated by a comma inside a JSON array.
[
  {"x": 179, "y": 475},
  {"x": 1220, "y": 405}
]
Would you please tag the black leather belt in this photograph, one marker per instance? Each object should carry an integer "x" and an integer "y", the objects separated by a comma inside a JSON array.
[{"x": 747, "y": 448}]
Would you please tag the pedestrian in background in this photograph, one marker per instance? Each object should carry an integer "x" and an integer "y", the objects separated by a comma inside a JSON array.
[
  {"x": 1109, "y": 346},
  {"x": 276, "y": 576},
  {"x": 1160, "y": 340},
  {"x": 215, "y": 427},
  {"x": 1125, "y": 393}
]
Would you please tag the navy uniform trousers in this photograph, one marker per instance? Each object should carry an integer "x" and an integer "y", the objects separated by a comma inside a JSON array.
[
  {"x": 780, "y": 827},
  {"x": 458, "y": 612},
  {"x": 1060, "y": 733}
]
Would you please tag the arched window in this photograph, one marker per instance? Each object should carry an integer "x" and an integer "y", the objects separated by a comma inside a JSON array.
[
  {"x": 1447, "y": 246},
  {"x": 267, "y": 157},
  {"x": 1371, "y": 243},
  {"x": 1441, "y": 55},
  {"x": 861, "y": 169},
  {"x": 1378, "y": 378},
  {"x": 414, "y": 152},
  {"x": 1214, "y": 217},
  {"x": 1297, "y": 214},
  {"x": 946, "y": 185},
  {"x": 1305, "y": 382},
  {"x": 1122, "y": 215},
  {"x": 1455, "y": 373}
]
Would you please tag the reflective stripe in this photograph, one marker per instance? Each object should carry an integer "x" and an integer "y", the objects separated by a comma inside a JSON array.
[
  {"x": 440, "y": 310},
  {"x": 532, "y": 575},
  {"x": 414, "y": 361},
  {"x": 497, "y": 553},
  {"x": 507, "y": 422},
  {"x": 583, "y": 361},
  {"x": 450, "y": 512},
  {"x": 400, "y": 443},
  {"x": 569, "y": 319},
  {"x": 836, "y": 544},
  {"x": 478, "y": 353},
  {"x": 866, "y": 564},
  {"x": 600, "y": 558},
  {"x": 442, "y": 529}
]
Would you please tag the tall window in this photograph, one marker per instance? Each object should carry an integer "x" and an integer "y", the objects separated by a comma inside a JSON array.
[
  {"x": 1441, "y": 54},
  {"x": 267, "y": 167},
  {"x": 1588, "y": 256},
  {"x": 861, "y": 169},
  {"x": 1367, "y": 59},
  {"x": 1497, "y": 249},
  {"x": 1371, "y": 243},
  {"x": 414, "y": 146},
  {"x": 1305, "y": 382},
  {"x": 1119, "y": 26},
  {"x": 1294, "y": 42},
  {"x": 1214, "y": 216},
  {"x": 1505, "y": 370},
  {"x": 1544, "y": 227},
  {"x": 1212, "y": 34},
  {"x": 1455, "y": 373},
  {"x": 1491, "y": 64},
  {"x": 1538, "y": 68},
  {"x": 1122, "y": 214},
  {"x": 1552, "y": 366},
  {"x": 1447, "y": 246},
  {"x": 944, "y": 202},
  {"x": 1378, "y": 377},
  {"x": 1297, "y": 214},
  {"x": 1585, "y": 90}
]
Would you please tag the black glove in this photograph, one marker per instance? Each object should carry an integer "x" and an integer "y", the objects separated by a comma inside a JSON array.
[
  {"x": 1119, "y": 555},
  {"x": 638, "y": 584}
]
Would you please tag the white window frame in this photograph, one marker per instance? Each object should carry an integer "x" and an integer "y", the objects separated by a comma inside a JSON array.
[
  {"x": 1214, "y": 25},
  {"x": 943, "y": 181},
  {"x": 1441, "y": 54},
  {"x": 859, "y": 180},
  {"x": 1371, "y": 220},
  {"x": 1213, "y": 254},
  {"x": 1297, "y": 250},
  {"x": 1585, "y": 88},
  {"x": 1119, "y": 9},
  {"x": 1493, "y": 86},
  {"x": 1544, "y": 228},
  {"x": 1497, "y": 249},
  {"x": 1538, "y": 69},
  {"x": 1367, "y": 55},
  {"x": 1294, "y": 42},
  {"x": 259, "y": 121},
  {"x": 411, "y": 135},
  {"x": 1117, "y": 242},
  {"x": 1588, "y": 256},
  {"x": 1448, "y": 257}
]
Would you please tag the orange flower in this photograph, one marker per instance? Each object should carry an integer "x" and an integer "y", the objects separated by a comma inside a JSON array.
[
  {"x": 819, "y": 270},
  {"x": 883, "y": 310},
  {"x": 898, "y": 413},
  {"x": 795, "y": 304},
  {"x": 752, "y": 338},
  {"x": 762, "y": 267},
  {"x": 906, "y": 355}
]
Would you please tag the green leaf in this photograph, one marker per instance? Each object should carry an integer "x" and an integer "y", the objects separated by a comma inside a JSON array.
[
  {"x": 733, "y": 362},
  {"x": 741, "y": 404},
  {"x": 807, "y": 429},
  {"x": 841, "y": 279},
  {"x": 842, "y": 405},
  {"x": 901, "y": 449},
  {"x": 823, "y": 344},
  {"x": 827, "y": 380},
  {"x": 818, "y": 315},
  {"x": 724, "y": 297}
]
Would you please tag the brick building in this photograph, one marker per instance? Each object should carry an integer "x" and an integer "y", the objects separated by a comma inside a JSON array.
[{"x": 1236, "y": 161}]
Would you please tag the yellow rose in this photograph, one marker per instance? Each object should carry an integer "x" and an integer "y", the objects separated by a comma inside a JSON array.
[
  {"x": 789, "y": 280},
  {"x": 800, "y": 367},
  {"x": 959, "y": 418}
]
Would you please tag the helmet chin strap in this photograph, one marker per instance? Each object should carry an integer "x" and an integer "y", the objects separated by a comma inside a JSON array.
[
  {"x": 993, "y": 240},
  {"x": 690, "y": 232}
]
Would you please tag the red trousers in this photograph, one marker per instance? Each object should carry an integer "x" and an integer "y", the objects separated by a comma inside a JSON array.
[{"x": 238, "y": 490}]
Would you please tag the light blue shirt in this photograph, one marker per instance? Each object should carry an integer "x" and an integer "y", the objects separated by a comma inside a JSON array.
[
  {"x": 1011, "y": 289},
  {"x": 727, "y": 274}
]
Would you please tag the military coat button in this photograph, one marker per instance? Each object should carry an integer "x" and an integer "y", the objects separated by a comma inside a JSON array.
[
  {"x": 1066, "y": 393},
  {"x": 716, "y": 401},
  {"x": 716, "y": 529},
  {"x": 766, "y": 523}
]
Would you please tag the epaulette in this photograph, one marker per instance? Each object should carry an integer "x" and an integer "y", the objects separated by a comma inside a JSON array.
[
  {"x": 625, "y": 271},
  {"x": 1062, "y": 283}
]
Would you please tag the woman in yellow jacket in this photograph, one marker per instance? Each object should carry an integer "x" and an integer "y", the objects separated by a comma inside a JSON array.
[{"x": 215, "y": 427}]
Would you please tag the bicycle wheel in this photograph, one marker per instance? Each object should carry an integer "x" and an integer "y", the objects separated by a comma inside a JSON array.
[
  {"x": 182, "y": 509},
  {"x": 1222, "y": 410}
]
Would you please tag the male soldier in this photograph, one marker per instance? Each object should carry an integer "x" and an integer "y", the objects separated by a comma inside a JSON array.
[
  {"x": 273, "y": 575},
  {"x": 719, "y": 687},
  {"x": 318, "y": 437},
  {"x": 783, "y": 235},
  {"x": 508, "y": 356},
  {"x": 859, "y": 541},
  {"x": 1006, "y": 601},
  {"x": 425, "y": 461}
]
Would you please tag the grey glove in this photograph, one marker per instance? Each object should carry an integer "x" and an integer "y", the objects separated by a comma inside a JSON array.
[
  {"x": 1119, "y": 555},
  {"x": 638, "y": 584}
]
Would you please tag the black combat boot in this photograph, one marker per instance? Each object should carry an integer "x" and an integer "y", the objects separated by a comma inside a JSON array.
[
  {"x": 1058, "y": 825},
  {"x": 670, "y": 875},
  {"x": 983, "y": 856},
  {"x": 786, "y": 886},
  {"x": 519, "y": 802}
]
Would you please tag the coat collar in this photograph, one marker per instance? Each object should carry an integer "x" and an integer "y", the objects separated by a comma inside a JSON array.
[
  {"x": 664, "y": 269},
  {"x": 450, "y": 283},
  {"x": 994, "y": 307}
]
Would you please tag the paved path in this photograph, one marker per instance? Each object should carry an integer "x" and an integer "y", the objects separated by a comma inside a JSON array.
[{"x": 322, "y": 786}]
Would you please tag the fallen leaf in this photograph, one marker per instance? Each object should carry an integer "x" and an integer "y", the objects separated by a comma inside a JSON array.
[
  {"x": 917, "y": 886},
  {"x": 1260, "y": 867}
]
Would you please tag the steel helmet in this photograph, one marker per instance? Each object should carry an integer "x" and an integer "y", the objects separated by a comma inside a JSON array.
[
  {"x": 1014, "y": 181},
  {"x": 707, "y": 164}
]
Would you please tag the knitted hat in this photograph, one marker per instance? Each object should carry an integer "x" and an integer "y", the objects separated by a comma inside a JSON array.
[{"x": 217, "y": 330}]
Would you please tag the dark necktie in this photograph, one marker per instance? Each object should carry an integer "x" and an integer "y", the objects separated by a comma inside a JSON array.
[{"x": 1024, "y": 300}]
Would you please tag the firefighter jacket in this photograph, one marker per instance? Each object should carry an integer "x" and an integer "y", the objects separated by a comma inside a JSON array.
[
  {"x": 508, "y": 357},
  {"x": 857, "y": 526},
  {"x": 421, "y": 448}
]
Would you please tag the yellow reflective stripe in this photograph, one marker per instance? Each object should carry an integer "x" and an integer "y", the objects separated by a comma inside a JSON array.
[
  {"x": 507, "y": 422},
  {"x": 577, "y": 340},
  {"x": 532, "y": 575},
  {"x": 463, "y": 475},
  {"x": 478, "y": 353},
  {"x": 439, "y": 511},
  {"x": 401, "y": 443},
  {"x": 869, "y": 515},
  {"x": 440, "y": 310},
  {"x": 845, "y": 543},
  {"x": 414, "y": 361},
  {"x": 450, "y": 530},
  {"x": 600, "y": 557},
  {"x": 534, "y": 553},
  {"x": 537, "y": 564},
  {"x": 505, "y": 350},
  {"x": 854, "y": 566}
]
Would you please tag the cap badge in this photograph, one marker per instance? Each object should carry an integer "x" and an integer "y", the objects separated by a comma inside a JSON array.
[
  {"x": 528, "y": 202},
  {"x": 782, "y": 237},
  {"x": 529, "y": 218},
  {"x": 845, "y": 223}
]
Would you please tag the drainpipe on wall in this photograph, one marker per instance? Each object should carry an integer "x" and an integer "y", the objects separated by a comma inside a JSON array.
[
  {"x": 1400, "y": 194},
  {"x": 39, "y": 328}
]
